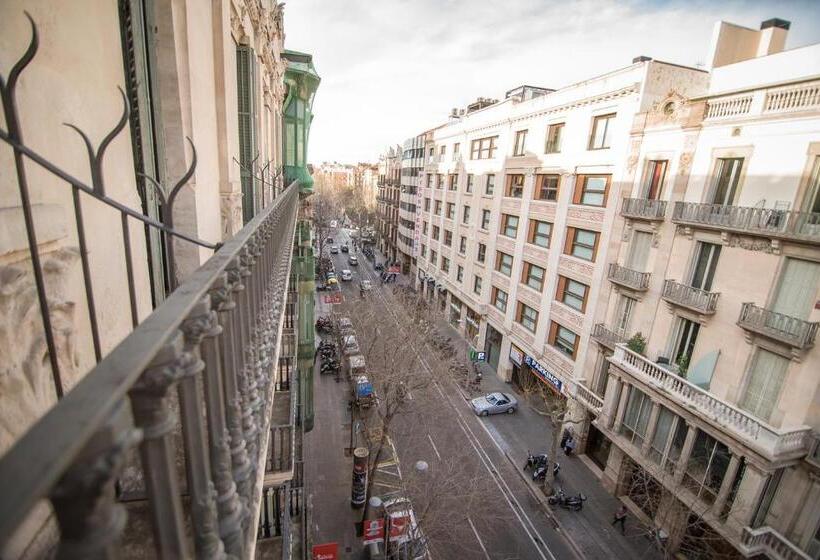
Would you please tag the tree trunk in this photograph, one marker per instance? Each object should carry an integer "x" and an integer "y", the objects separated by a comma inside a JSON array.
[{"x": 549, "y": 479}]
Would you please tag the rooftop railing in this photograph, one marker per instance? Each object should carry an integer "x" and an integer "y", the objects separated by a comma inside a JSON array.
[
  {"x": 695, "y": 299},
  {"x": 628, "y": 278},
  {"x": 768, "y": 222},
  {"x": 795, "y": 332},
  {"x": 644, "y": 209},
  {"x": 768, "y": 440}
]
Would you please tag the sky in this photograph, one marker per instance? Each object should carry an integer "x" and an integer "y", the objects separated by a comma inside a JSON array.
[{"x": 391, "y": 69}]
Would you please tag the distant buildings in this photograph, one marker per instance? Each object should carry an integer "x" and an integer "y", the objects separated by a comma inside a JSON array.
[{"x": 682, "y": 204}]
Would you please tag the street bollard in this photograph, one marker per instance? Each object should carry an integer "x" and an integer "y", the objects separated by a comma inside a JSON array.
[{"x": 358, "y": 492}]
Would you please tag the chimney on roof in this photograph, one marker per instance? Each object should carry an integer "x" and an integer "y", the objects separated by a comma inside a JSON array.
[
  {"x": 733, "y": 43},
  {"x": 772, "y": 36},
  {"x": 641, "y": 58}
]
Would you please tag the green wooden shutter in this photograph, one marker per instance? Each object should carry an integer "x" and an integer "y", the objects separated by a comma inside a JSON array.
[{"x": 245, "y": 87}]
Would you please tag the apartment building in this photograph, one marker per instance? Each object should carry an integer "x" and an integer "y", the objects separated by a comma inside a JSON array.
[
  {"x": 130, "y": 243},
  {"x": 708, "y": 421},
  {"x": 387, "y": 209},
  {"x": 412, "y": 167}
]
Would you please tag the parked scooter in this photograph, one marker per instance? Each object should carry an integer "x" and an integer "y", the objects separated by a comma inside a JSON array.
[
  {"x": 535, "y": 461},
  {"x": 540, "y": 472},
  {"x": 575, "y": 503}
]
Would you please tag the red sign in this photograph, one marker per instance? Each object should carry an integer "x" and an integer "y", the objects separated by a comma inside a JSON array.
[
  {"x": 333, "y": 298},
  {"x": 398, "y": 525},
  {"x": 396, "y": 269},
  {"x": 327, "y": 551},
  {"x": 373, "y": 531}
]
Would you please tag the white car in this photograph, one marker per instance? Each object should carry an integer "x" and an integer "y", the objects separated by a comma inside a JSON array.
[
  {"x": 367, "y": 285},
  {"x": 494, "y": 403},
  {"x": 353, "y": 260},
  {"x": 347, "y": 276},
  {"x": 334, "y": 250}
]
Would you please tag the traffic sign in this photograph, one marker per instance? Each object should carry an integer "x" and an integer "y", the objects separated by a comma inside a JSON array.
[{"x": 373, "y": 531}]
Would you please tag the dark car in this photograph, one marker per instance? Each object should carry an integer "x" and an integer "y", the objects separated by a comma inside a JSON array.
[
  {"x": 345, "y": 248},
  {"x": 379, "y": 267},
  {"x": 329, "y": 240}
]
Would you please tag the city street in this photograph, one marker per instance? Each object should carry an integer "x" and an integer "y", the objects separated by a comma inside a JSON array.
[{"x": 506, "y": 520}]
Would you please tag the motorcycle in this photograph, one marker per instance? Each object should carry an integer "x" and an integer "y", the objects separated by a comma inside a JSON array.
[
  {"x": 567, "y": 502},
  {"x": 535, "y": 461},
  {"x": 540, "y": 472}
]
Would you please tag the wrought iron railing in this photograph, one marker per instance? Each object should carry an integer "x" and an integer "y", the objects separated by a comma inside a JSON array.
[
  {"x": 629, "y": 278},
  {"x": 769, "y": 222},
  {"x": 689, "y": 297},
  {"x": 643, "y": 208},
  {"x": 793, "y": 331},
  {"x": 607, "y": 337}
]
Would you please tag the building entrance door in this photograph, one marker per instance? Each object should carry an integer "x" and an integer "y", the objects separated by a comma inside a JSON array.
[{"x": 492, "y": 346}]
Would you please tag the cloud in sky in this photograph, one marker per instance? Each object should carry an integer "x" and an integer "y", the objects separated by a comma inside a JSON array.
[{"x": 392, "y": 68}]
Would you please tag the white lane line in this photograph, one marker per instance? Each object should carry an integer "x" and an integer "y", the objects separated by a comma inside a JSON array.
[
  {"x": 480, "y": 543},
  {"x": 522, "y": 517},
  {"x": 434, "y": 447}
]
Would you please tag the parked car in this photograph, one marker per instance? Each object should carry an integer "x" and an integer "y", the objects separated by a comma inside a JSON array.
[
  {"x": 353, "y": 260},
  {"x": 334, "y": 250},
  {"x": 329, "y": 240},
  {"x": 378, "y": 267},
  {"x": 367, "y": 285},
  {"x": 347, "y": 276},
  {"x": 345, "y": 248},
  {"x": 494, "y": 403}
]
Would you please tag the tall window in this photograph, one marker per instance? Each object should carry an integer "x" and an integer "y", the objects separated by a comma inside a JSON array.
[
  {"x": 424, "y": 226},
  {"x": 706, "y": 467},
  {"x": 470, "y": 182},
  {"x": 623, "y": 314},
  {"x": 554, "y": 133},
  {"x": 483, "y": 148},
  {"x": 426, "y": 204},
  {"x": 639, "y": 250},
  {"x": 636, "y": 416},
  {"x": 539, "y": 233},
  {"x": 442, "y": 150},
  {"x": 433, "y": 256},
  {"x": 591, "y": 190},
  {"x": 448, "y": 237},
  {"x": 456, "y": 148},
  {"x": 499, "y": 299},
  {"x": 764, "y": 382},
  {"x": 452, "y": 181},
  {"x": 547, "y": 187},
  {"x": 437, "y": 208},
  {"x": 515, "y": 186},
  {"x": 653, "y": 179},
  {"x": 462, "y": 245},
  {"x": 246, "y": 111},
  {"x": 509, "y": 225},
  {"x": 477, "y": 285},
  {"x": 704, "y": 265},
  {"x": 526, "y": 316},
  {"x": 563, "y": 339},
  {"x": 485, "y": 219},
  {"x": 503, "y": 263},
  {"x": 686, "y": 335},
  {"x": 533, "y": 276},
  {"x": 460, "y": 273},
  {"x": 727, "y": 179},
  {"x": 465, "y": 215},
  {"x": 481, "y": 252},
  {"x": 601, "y": 132},
  {"x": 581, "y": 243},
  {"x": 572, "y": 293},
  {"x": 436, "y": 232},
  {"x": 520, "y": 143},
  {"x": 451, "y": 210},
  {"x": 797, "y": 288},
  {"x": 439, "y": 181},
  {"x": 490, "y": 187},
  {"x": 423, "y": 251}
]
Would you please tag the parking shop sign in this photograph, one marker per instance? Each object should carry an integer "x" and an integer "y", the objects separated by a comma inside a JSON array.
[
  {"x": 327, "y": 551},
  {"x": 542, "y": 372}
]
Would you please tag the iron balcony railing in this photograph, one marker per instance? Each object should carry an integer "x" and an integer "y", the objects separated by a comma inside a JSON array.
[
  {"x": 795, "y": 332},
  {"x": 643, "y": 209},
  {"x": 606, "y": 337},
  {"x": 632, "y": 279},
  {"x": 689, "y": 297},
  {"x": 769, "y": 222},
  {"x": 774, "y": 443}
]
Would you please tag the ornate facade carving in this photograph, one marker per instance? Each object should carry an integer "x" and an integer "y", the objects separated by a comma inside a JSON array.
[
  {"x": 556, "y": 361},
  {"x": 26, "y": 380},
  {"x": 586, "y": 214},
  {"x": 230, "y": 209},
  {"x": 771, "y": 246},
  {"x": 576, "y": 267},
  {"x": 566, "y": 315}
]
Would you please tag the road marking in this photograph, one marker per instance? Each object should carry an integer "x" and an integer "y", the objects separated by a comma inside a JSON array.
[
  {"x": 480, "y": 543},
  {"x": 434, "y": 447}
]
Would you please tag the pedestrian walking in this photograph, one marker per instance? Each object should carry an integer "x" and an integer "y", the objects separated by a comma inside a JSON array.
[
  {"x": 569, "y": 446},
  {"x": 620, "y": 518}
]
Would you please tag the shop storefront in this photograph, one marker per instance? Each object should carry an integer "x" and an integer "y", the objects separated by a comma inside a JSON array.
[
  {"x": 517, "y": 360},
  {"x": 543, "y": 374},
  {"x": 442, "y": 298},
  {"x": 472, "y": 323},
  {"x": 455, "y": 311},
  {"x": 492, "y": 346}
]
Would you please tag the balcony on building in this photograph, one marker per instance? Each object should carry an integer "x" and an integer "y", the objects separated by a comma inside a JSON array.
[
  {"x": 765, "y": 542},
  {"x": 606, "y": 337},
  {"x": 628, "y": 278},
  {"x": 773, "y": 443},
  {"x": 792, "y": 331},
  {"x": 647, "y": 209},
  {"x": 693, "y": 299},
  {"x": 774, "y": 223}
]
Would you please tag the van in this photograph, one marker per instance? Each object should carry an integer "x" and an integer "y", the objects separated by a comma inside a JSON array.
[
  {"x": 356, "y": 365},
  {"x": 350, "y": 345},
  {"x": 346, "y": 326}
]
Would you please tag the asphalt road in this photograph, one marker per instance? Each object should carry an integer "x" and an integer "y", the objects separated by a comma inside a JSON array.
[{"x": 478, "y": 506}]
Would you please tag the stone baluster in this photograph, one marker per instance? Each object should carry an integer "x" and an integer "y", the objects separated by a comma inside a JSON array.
[
  {"x": 229, "y": 505},
  {"x": 197, "y": 461},
  {"x": 91, "y": 521},
  {"x": 149, "y": 402}
]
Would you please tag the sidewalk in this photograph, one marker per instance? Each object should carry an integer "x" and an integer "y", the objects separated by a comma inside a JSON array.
[{"x": 590, "y": 529}]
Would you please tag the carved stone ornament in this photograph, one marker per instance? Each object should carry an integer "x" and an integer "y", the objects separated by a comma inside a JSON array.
[
  {"x": 201, "y": 322},
  {"x": 575, "y": 266},
  {"x": 751, "y": 243},
  {"x": 230, "y": 209},
  {"x": 685, "y": 163},
  {"x": 586, "y": 214},
  {"x": 26, "y": 381},
  {"x": 567, "y": 315}
]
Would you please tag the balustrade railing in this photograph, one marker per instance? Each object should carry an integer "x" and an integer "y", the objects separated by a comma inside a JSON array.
[
  {"x": 644, "y": 209},
  {"x": 689, "y": 297},
  {"x": 769, "y": 222},
  {"x": 795, "y": 332},
  {"x": 766, "y": 541},
  {"x": 772, "y": 442},
  {"x": 792, "y": 98},
  {"x": 629, "y": 278},
  {"x": 728, "y": 107},
  {"x": 588, "y": 398},
  {"x": 607, "y": 337}
]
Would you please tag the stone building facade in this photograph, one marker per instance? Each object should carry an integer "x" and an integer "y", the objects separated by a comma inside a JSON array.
[{"x": 387, "y": 207}]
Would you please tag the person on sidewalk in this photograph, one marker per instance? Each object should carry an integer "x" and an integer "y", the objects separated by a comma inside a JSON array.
[
  {"x": 620, "y": 517},
  {"x": 569, "y": 446}
]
